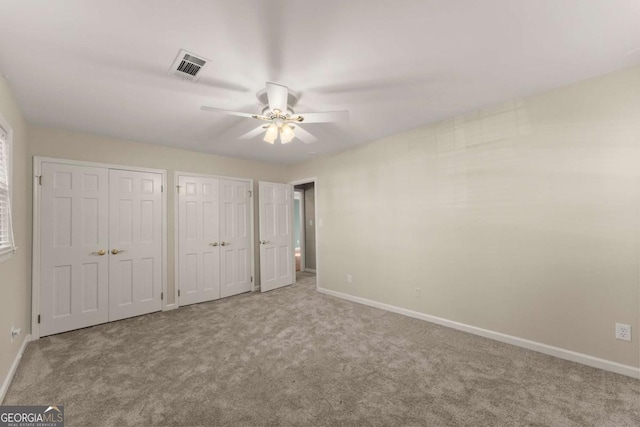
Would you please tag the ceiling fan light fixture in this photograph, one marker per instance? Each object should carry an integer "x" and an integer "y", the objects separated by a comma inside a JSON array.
[
  {"x": 281, "y": 120},
  {"x": 287, "y": 134},
  {"x": 272, "y": 134}
]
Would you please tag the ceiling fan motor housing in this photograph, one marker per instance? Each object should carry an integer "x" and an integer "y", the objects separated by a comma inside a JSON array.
[{"x": 292, "y": 99}]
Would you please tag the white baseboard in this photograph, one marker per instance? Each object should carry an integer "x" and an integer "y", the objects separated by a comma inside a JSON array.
[
  {"x": 310, "y": 270},
  {"x": 170, "y": 307},
  {"x": 14, "y": 367},
  {"x": 561, "y": 353}
]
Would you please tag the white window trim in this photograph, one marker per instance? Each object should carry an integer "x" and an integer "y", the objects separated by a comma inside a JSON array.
[{"x": 9, "y": 251}]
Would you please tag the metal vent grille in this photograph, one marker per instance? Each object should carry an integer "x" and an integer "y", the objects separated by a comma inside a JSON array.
[{"x": 188, "y": 66}]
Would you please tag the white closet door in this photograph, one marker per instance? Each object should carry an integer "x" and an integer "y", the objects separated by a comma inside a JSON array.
[
  {"x": 235, "y": 238},
  {"x": 276, "y": 235},
  {"x": 135, "y": 240},
  {"x": 74, "y": 241},
  {"x": 198, "y": 239}
]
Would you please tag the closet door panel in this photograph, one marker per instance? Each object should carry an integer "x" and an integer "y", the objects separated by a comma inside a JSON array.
[
  {"x": 135, "y": 240},
  {"x": 198, "y": 239},
  {"x": 73, "y": 244},
  {"x": 235, "y": 236}
]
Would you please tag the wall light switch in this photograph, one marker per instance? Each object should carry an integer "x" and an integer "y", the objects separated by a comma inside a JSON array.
[{"x": 15, "y": 332}]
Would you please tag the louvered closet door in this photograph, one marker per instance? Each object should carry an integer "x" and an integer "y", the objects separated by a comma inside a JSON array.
[
  {"x": 235, "y": 238},
  {"x": 135, "y": 243},
  {"x": 74, "y": 233},
  {"x": 199, "y": 239}
]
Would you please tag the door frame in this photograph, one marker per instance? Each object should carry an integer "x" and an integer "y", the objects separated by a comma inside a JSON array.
[
  {"x": 313, "y": 180},
  {"x": 176, "y": 229},
  {"x": 302, "y": 227},
  {"x": 35, "y": 250}
]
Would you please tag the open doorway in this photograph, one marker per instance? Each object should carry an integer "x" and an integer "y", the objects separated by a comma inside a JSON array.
[{"x": 305, "y": 227}]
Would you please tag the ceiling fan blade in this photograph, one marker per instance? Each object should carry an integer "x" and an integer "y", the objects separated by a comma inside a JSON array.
[
  {"x": 277, "y": 95},
  {"x": 253, "y": 133},
  {"x": 330, "y": 116},
  {"x": 229, "y": 112},
  {"x": 272, "y": 28},
  {"x": 414, "y": 82},
  {"x": 303, "y": 135}
]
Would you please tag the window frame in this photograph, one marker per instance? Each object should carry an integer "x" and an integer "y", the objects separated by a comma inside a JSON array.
[{"x": 7, "y": 252}]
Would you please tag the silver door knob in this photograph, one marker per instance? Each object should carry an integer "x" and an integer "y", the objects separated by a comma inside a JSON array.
[
  {"x": 225, "y": 244},
  {"x": 213, "y": 244}
]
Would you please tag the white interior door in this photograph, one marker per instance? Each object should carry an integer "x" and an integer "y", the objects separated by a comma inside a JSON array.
[
  {"x": 235, "y": 238},
  {"x": 198, "y": 239},
  {"x": 135, "y": 238},
  {"x": 74, "y": 242},
  {"x": 276, "y": 235}
]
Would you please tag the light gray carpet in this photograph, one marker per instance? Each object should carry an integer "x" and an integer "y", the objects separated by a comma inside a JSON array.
[{"x": 294, "y": 357}]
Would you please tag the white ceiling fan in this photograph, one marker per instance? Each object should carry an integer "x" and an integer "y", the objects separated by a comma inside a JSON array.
[{"x": 279, "y": 117}]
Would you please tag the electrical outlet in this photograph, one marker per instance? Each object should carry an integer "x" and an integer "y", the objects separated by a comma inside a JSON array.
[
  {"x": 349, "y": 278},
  {"x": 417, "y": 292},
  {"x": 623, "y": 332}
]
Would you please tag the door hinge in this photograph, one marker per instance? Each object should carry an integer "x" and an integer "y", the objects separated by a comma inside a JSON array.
[
  {"x": 250, "y": 193},
  {"x": 178, "y": 292},
  {"x": 38, "y": 319},
  {"x": 39, "y": 179},
  {"x": 162, "y": 188},
  {"x": 178, "y": 187},
  {"x": 161, "y": 296},
  {"x": 251, "y": 279}
]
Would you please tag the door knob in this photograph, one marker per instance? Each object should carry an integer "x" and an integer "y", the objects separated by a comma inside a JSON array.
[
  {"x": 116, "y": 251},
  {"x": 265, "y": 242},
  {"x": 225, "y": 244},
  {"x": 100, "y": 252},
  {"x": 213, "y": 244}
]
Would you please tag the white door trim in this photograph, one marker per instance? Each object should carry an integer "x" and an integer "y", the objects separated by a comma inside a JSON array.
[
  {"x": 35, "y": 251},
  {"x": 316, "y": 228},
  {"x": 302, "y": 228},
  {"x": 176, "y": 237}
]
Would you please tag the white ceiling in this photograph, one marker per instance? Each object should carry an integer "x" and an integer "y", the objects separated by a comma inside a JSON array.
[{"x": 102, "y": 66}]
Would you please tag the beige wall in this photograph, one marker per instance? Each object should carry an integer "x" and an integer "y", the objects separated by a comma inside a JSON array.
[
  {"x": 521, "y": 219},
  {"x": 49, "y": 142},
  {"x": 15, "y": 273}
]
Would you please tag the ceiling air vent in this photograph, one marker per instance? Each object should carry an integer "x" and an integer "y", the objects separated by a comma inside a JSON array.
[{"x": 188, "y": 66}]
